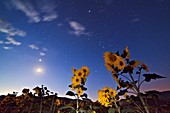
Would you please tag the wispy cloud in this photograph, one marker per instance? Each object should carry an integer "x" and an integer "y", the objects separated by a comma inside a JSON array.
[
  {"x": 49, "y": 10},
  {"x": 41, "y": 50},
  {"x": 49, "y": 17},
  {"x": 28, "y": 9},
  {"x": 32, "y": 46},
  {"x": 42, "y": 54},
  {"x": 7, "y": 48},
  {"x": 12, "y": 41},
  {"x": 78, "y": 29},
  {"x": 10, "y": 32},
  {"x": 46, "y": 11},
  {"x": 8, "y": 29},
  {"x": 44, "y": 49},
  {"x": 1, "y": 41}
]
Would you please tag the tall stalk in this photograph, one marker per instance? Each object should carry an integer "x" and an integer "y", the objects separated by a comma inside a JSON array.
[
  {"x": 77, "y": 108},
  {"x": 137, "y": 88}
]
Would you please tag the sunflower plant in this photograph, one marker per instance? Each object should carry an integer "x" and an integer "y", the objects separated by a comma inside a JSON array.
[
  {"x": 108, "y": 97},
  {"x": 78, "y": 85},
  {"x": 127, "y": 74}
]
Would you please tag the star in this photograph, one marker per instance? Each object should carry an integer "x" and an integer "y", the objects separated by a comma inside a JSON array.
[{"x": 40, "y": 60}]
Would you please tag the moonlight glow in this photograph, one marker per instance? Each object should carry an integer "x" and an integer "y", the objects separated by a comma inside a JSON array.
[{"x": 39, "y": 70}]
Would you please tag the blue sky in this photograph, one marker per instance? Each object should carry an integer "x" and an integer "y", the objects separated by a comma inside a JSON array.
[{"x": 58, "y": 35}]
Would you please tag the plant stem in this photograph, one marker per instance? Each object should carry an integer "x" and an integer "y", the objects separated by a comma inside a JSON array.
[
  {"x": 139, "y": 95},
  {"x": 143, "y": 103},
  {"x": 77, "y": 109},
  {"x": 137, "y": 106},
  {"x": 126, "y": 78},
  {"x": 117, "y": 107},
  {"x": 30, "y": 108},
  {"x": 52, "y": 103},
  {"x": 41, "y": 105}
]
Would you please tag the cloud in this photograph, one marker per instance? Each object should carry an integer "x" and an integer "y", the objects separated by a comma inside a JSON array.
[
  {"x": 46, "y": 11},
  {"x": 1, "y": 41},
  {"x": 32, "y": 46},
  {"x": 28, "y": 9},
  {"x": 78, "y": 29},
  {"x": 12, "y": 41},
  {"x": 44, "y": 49},
  {"x": 48, "y": 8},
  {"x": 8, "y": 29},
  {"x": 42, "y": 54},
  {"x": 41, "y": 50},
  {"x": 49, "y": 17},
  {"x": 7, "y": 48}
]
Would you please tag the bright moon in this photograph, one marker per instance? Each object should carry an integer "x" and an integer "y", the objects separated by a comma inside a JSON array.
[{"x": 39, "y": 70}]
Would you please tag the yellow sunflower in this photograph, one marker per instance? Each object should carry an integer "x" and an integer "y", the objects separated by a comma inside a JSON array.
[
  {"x": 128, "y": 53},
  {"x": 73, "y": 70},
  {"x": 106, "y": 88},
  {"x": 94, "y": 112},
  {"x": 79, "y": 91},
  {"x": 112, "y": 92},
  {"x": 145, "y": 67},
  {"x": 121, "y": 63},
  {"x": 73, "y": 87},
  {"x": 86, "y": 70},
  {"x": 134, "y": 63},
  {"x": 79, "y": 73},
  {"x": 108, "y": 66},
  {"x": 110, "y": 58},
  {"x": 57, "y": 102},
  {"x": 103, "y": 97},
  {"x": 76, "y": 80}
]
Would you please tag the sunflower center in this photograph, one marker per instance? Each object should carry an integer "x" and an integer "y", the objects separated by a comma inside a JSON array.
[
  {"x": 84, "y": 70},
  {"x": 121, "y": 63},
  {"x": 111, "y": 92},
  {"x": 79, "y": 74},
  {"x": 112, "y": 58},
  {"x": 77, "y": 80}
]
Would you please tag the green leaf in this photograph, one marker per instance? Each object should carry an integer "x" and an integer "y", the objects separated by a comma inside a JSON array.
[
  {"x": 70, "y": 93},
  {"x": 96, "y": 107},
  {"x": 70, "y": 86},
  {"x": 124, "y": 54},
  {"x": 45, "y": 88},
  {"x": 87, "y": 100},
  {"x": 122, "y": 92},
  {"x": 66, "y": 107},
  {"x": 128, "y": 110},
  {"x": 83, "y": 88},
  {"x": 117, "y": 53},
  {"x": 82, "y": 110},
  {"x": 72, "y": 111},
  {"x": 148, "y": 77},
  {"x": 84, "y": 95},
  {"x": 153, "y": 76},
  {"x": 111, "y": 110},
  {"x": 82, "y": 81},
  {"x": 128, "y": 69}
]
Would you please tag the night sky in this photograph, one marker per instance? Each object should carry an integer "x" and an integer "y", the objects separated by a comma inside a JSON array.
[{"x": 41, "y": 40}]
